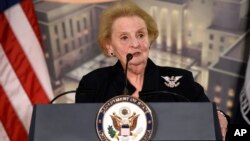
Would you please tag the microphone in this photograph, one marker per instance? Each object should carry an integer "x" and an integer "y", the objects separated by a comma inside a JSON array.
[{"x": 128, "y": 58}]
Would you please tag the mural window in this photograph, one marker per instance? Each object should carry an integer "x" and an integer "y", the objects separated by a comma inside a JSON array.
[
  {"x": 66, "y": 47},
  {"x": 86, "y": 38},
  {"x": 209, "y": 63},
  {"x": 46, "y": 54},
  {"x": 58, "y": 45},
  {"x": 60, "y": 62},
  {"x": 83, "y": 39},
  {"x": 81, "y": 51},
  {"x": 230, "y": 104},
  {"x": 218, "y": 89},
  {"x": 44, "y": 37},
  {"x": 221, "y": 48},
  {"x": 211, "y": 37},
  {"x": 217, "y": 100},
  {"x": 222, "y": 39},
  {"x": 73, "y": 44},
  {"x": 231, "y": 93},
  {"x": 78, "y": 27},
  {"x": 64, "y": 30},
  {"x": 189, "y": 34},
  {"x": 85, "y": 22},
  {"x": 80, "y": 41},
  {"x": 71, "y": 27},
  {"x": 229, "y": 113},
  {"x": 200, "y": 45},
  {"x": 210, "y": 46},
  {"x": 230, "y": 101},
  {"x": 56, "y": 29}
]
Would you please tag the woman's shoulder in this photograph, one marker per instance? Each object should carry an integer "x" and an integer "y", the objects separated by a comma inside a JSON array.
[
  {"x": 173, "y": 71},
  {"x": 99, "y": 73},
  {"x": 95, "y": 78},
  {"x": 183, "y": 80}
]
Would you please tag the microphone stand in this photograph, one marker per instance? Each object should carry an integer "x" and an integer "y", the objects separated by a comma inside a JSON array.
[{"x": 128, "y": 58}]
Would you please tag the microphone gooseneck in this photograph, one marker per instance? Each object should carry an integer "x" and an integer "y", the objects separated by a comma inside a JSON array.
[
  {"x": 128, "y": 58},
  {"x": 61, "y": 94}
]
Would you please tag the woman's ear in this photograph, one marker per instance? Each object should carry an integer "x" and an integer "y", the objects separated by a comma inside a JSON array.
[{"x": 109, "y": 48}]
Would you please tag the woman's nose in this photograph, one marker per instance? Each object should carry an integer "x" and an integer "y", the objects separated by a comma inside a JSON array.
[{"x": 134, "y": 43}]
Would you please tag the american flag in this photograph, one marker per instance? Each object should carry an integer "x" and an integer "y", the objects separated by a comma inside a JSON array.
[
  {"x": 24, "y": 79},
  {"x": 245, "y": 96}
]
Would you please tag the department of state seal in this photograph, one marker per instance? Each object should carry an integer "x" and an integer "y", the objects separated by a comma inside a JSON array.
[{"x": 124, "y": 118}]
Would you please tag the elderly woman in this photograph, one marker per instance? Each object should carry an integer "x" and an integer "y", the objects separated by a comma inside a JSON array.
[{"x": 126, "y": 28}]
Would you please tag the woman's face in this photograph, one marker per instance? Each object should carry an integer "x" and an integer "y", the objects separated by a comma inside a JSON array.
[{"x": 130, "y": 35}]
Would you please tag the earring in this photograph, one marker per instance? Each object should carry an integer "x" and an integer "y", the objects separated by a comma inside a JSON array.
[{"x": 112, "y": 54}]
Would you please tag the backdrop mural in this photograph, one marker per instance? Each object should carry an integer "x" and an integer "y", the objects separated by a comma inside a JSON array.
[{"x": 207, "y": 37}]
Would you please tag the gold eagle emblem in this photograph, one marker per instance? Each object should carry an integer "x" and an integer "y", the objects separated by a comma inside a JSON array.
[{"x": 125, "y": 126}]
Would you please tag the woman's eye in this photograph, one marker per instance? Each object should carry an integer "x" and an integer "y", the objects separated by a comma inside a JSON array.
[
  {"x": 141, "y": 35},
  {"x": 124, "y": 37}
]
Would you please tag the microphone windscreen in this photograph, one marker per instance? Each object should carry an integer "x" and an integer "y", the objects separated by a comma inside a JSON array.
[{"x": 129, "y": 56}]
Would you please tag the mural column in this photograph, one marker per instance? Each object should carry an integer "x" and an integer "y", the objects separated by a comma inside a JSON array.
[
  {"x": 179, "y": 31},
  {"x": 153, "y": 13},
  {"x": 168, "y": 31}
]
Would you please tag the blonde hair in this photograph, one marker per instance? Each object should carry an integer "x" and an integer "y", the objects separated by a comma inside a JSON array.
[{"x": 119, "y": 9}]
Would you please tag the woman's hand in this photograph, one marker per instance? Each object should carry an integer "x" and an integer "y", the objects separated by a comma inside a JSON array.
[{"x": 223, "y": 124}]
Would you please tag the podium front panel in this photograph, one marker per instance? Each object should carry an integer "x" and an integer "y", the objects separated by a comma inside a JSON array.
[
  {"x": 185, "y": 121},
  {"x": 64, "y": 122},
  {"x": 172, "y": 121}
]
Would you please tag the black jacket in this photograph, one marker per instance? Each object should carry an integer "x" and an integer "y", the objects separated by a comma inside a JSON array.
[{"x": 102, "y": 84}]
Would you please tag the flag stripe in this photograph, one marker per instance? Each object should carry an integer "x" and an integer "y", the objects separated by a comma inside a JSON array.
[
  {"x": 3, "y": 134},
  {"x": 14, "y": 91},
  {"x": 30, "y": 14},
  {"x": 10, "y": 120},
  {"x": 18, "y": 48},
  {"x": 247, "y": 81},
  {"x": 245, "y": 96}
]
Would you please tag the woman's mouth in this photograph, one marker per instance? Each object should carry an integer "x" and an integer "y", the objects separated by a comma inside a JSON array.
[{"x": 136, "y": 54}]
